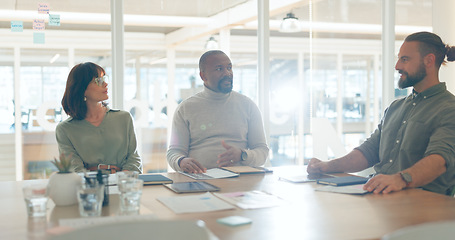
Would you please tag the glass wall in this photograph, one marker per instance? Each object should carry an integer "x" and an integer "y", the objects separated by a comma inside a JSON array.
[
  {"x": 330, "y": 69},
  {"x": 7, "y": 113},
  {"x": 6, "y": 98},
  {"x": 284, "y": 104}
]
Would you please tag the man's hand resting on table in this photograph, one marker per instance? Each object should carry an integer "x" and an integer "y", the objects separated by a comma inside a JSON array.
[
  {"x": 316, "y": 166},
  {"x": 190, "y": 165}
]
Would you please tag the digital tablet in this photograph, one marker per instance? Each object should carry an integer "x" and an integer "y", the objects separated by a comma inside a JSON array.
[
  {"x": 303, "y": 178},
  {"x": 191, "y": 187}
]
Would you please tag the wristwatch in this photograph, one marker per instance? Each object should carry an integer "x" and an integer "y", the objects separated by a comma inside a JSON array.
[
  {"x": 244, "y": 155},
  {"x": 406, "y": 177}
]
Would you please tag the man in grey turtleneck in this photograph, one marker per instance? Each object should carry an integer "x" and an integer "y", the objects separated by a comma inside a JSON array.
[{"x": 216, "y": 127}]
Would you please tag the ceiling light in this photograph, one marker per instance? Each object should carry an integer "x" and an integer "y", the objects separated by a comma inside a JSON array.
[
  {"x": 54, "y": 58},
  {"x": 290, "y": 24},
  {"x": 158, "y": 61},
  {"x": 211, "y": 44}
]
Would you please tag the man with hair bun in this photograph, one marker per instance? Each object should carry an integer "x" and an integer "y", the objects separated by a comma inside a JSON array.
[{"x": 414, "y": 144}]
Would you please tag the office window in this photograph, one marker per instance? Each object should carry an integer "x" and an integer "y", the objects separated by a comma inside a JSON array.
[
  {"x": 6, "y": 99},
  {"x": 339, "y": 67}
]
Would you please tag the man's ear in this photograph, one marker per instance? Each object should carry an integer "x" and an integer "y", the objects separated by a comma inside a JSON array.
[
  {"x": 201, "y": 74},
  {"x": 429, "y": 60}
]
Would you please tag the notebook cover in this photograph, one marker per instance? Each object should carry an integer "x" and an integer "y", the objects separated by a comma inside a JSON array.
[
  {"x": 151, "y": 179},
  {"x": 343, "y": 181}
]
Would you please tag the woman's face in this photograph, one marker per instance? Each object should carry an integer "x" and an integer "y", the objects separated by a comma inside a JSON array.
[{"x": 97, "y": 89}]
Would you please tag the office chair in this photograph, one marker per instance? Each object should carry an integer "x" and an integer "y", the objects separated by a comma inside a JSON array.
[
  {"x": 432, "y": 230},
  {"x": 142, "y": 230}
]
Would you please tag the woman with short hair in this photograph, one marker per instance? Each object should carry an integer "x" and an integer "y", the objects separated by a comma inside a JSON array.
[{"x": 95, "y": 136}]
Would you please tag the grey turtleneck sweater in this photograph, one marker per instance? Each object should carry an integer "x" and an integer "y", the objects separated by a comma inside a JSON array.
[{"x": 202, "y": 121}]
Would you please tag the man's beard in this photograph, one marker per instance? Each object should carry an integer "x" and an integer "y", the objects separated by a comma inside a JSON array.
[
  {"x": 411, "y": 80},
  {"x": 222, "y": 88}
]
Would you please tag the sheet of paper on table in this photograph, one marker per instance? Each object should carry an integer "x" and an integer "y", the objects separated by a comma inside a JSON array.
[
  {"x": 195, "y": 203},
  {"x": 251, "y": 199}
]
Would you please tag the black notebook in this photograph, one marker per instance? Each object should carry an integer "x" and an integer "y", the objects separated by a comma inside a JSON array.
[
  {"x": 151, "y": 179},
  {"x": 343, "y": 181}
]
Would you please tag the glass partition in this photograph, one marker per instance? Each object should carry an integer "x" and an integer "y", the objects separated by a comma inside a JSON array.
[
  {"x": 7, "y": 113},
  {"x": 333, "y": 57}
]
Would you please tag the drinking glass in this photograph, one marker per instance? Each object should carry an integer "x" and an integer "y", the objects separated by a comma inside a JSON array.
[
  {"x": 90, "y": 197},
  {"x": 126, "y": 174},
  {"x": 36, "y": 197},
  {"x": 130, "y": 195}
]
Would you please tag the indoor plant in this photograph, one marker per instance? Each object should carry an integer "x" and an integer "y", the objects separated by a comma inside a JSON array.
[{"x": 62, "y": 186}]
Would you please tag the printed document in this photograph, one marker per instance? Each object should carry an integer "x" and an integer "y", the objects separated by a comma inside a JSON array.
[
  {"x": 251, "y": 200},
  {"x": 195, "y": 203}
]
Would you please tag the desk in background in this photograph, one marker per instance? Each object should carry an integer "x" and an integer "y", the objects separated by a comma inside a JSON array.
[{"x": 307, "y": 214}]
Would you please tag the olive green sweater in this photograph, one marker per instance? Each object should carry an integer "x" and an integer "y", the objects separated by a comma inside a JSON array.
[{"x": 112, "y": 142}]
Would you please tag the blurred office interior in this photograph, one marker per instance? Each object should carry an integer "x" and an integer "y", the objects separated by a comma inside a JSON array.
[{"x": 327, "y": 63}]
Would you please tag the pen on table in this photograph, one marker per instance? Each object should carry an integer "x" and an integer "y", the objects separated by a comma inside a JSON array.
[
  {"x": 330, "y": 175},
  {"x": 372, "y": 175}
]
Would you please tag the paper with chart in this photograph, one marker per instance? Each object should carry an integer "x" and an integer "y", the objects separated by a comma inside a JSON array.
[
  {"x": 251, "y": 199},
  {"x": 195, "y": 203}
]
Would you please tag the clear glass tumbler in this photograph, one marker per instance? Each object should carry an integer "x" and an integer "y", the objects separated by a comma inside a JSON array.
[
  {"x": 130, "y": 195},
  {"x": 90, "y": 197}
]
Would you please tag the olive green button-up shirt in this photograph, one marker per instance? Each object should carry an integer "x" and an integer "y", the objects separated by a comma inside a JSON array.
[
  {"x": 412, "y": 128},
  {"x": 112, "y": 142}
]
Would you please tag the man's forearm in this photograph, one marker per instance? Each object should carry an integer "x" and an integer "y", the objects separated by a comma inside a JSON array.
[
  {"x": 173, "y": 156},
  {"x": 257, "y": 156},
  {"x": 354, "y": 161},
  {"x": 426, "y": 170}
]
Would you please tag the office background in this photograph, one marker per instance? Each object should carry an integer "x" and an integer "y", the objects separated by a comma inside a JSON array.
[{"x": 330, "y": 68}]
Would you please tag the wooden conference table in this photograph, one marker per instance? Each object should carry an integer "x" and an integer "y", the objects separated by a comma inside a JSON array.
[{"x": 307, "y": 214}]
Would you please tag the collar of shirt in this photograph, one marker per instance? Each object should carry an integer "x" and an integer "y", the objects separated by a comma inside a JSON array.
[
  {"x": 107, "y": 110},
  {"x": 208, "y": 93},
  {"x": 414, "y": 93},
  {"x": 441, "y": 87}
]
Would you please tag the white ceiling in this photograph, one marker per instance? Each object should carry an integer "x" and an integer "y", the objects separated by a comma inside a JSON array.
[
  {"x": 151, "y": 25},
  {"x": 160, "y": 15}
]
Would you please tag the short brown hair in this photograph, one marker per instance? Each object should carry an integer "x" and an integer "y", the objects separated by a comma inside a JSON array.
[{"x": 78, "y": 80}]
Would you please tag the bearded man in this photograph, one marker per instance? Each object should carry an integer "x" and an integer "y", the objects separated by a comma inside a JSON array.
[
  {"x": 414, "y": 144},
  {"x": 217, "y": 127}
]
